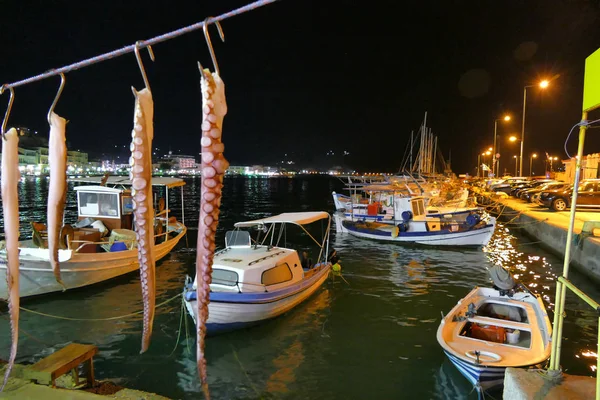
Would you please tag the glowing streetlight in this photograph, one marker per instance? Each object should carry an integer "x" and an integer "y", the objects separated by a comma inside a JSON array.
[
  {"x": 494, "y": 167},
  {"x": 533, "y": 155},
  {"x": 543, "y": 85},
  {"x": 513, "y": 138}
]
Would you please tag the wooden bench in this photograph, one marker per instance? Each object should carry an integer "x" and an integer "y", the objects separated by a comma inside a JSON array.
[{"x": 66, "y": 359}]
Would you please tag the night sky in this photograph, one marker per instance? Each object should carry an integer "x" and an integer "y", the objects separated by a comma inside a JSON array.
[{"x": 306, "y": 77}]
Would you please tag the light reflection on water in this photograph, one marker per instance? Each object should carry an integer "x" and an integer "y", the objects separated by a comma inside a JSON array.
[{"x": 373, "y": 334}]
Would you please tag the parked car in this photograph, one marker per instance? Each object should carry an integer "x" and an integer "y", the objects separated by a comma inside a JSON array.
[
  {"x": 505, "y": 182},
  {"x": 588, "y": 196},
  {"x": 531, "y": 194},
  {"x": 507, "y": 186},
  {"x": 518, "y": 188}
]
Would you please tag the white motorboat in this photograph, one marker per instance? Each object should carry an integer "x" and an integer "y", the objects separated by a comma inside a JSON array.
[
  {"x": 100, "y": 246},
  {"x": 491, "y": 329},
  {"x": 253, "y": 281}
]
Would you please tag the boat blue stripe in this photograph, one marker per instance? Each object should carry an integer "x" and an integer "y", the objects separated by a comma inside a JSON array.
[{"x": 486, "y": 376}]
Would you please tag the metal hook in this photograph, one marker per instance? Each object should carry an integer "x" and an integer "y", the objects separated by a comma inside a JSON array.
[
  {"x": 139, "y": 61},
  {"x": 209, "y": 43},
  {"x": 60, "y": 89},
  {"x": 8, "y": 109}
]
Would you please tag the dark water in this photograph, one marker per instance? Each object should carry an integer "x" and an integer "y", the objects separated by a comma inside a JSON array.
[{"x": 373, "y": 337}]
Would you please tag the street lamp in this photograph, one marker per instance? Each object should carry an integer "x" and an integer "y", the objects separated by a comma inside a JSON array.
[
  {"x": 506, "y": 118},
  {"x": 533, "y": 155},
  {"x": 515, "y": 157},
  {"x": 543, "y": 85},
  {"x": 552, "y": 159}
]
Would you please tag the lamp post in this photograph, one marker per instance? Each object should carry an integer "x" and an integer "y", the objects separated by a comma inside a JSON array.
[
  {"x": 515, "y": 157},
  {"x": 533, "y": 155},
  {"x": 543, "y": 85},
  {"x": 552, "y": 159},
  {"x": 505, "y": 118}
]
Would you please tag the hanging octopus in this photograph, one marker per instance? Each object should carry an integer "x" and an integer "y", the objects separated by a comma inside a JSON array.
[
  {"x": 57, "y": 194},
  {"x": 10, "y": 207},
  {"x": 141, "y": 182},
  {"x": 213, "y": 167}
]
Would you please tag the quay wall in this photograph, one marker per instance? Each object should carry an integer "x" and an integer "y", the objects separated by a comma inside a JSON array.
[{"x": 551, "y": 229}]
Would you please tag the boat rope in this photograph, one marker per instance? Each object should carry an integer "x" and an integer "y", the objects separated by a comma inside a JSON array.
[
  {"x": 97, "y": 319},
  {"x": 140, "y": 45},
  {"x": 519, "y": 224},
  {"x": 182, "y": 313},
  {"x": 235, "y": 355}
]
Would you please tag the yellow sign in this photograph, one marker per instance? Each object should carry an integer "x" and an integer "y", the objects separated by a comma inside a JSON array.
[{"x": 591, "y": 82}]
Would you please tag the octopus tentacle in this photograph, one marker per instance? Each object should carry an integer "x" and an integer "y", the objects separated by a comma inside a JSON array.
[
  {"x": 141, "y": 182},
  {"x": 213, "y": 168},
  {"x": 57, "y": 158},
  {"x": 10, "y": 207}
]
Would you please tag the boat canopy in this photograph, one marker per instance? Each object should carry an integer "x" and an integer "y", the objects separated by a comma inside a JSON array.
[
  {"x": 124, "y": 180},
  {"x": 298, "y": 218},
  {"x": 103, "y": 189}
]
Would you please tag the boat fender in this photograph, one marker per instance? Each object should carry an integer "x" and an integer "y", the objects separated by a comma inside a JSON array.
[
  {"x": 473, "y": 219},
  {"x": 407, "y": 215},
  {"x": 336, "y": 267},
  {"x": 403, "y": 226}
]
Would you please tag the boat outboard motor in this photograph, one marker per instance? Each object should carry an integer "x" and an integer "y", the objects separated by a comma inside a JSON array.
[{"x": 503, "y": 280}]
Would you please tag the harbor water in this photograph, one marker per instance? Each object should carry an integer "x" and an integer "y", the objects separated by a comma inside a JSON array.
[{"x": 370, "y": 334}]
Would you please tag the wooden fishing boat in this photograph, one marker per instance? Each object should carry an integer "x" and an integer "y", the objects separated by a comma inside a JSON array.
[
  {"x": 253, "y": 281},
  {"x": 470, "y": 227},
  {"x": 491, "y": 329},
  {"x": 101, "y": 245}
]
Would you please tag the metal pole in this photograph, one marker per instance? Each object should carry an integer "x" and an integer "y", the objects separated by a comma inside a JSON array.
[
  {"x": 530, "y": 162},
  {"x": 516, "y": 166},
  {"x": 478, "y": 159},
  {"x": 523, "y": 129},
  {"x": 560, "y": 288},
  {"x": 167, "y": 215},
  {"x": 494, "y": 155}
]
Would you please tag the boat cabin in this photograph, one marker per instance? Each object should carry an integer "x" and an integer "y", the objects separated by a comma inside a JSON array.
[
  {"x": 112, "y": 206},
  {"x": 255, "y": 269},
  {"x": 260, "y": 266}
]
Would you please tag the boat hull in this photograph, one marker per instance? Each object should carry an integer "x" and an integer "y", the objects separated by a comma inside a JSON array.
[
  {"x": 79, "y": 269},
  {"x": 483, "y": 377},
  {"x": 227, "y": 312}
]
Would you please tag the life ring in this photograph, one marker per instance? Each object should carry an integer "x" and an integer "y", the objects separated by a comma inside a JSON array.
[{"x": 484, "y": 356}]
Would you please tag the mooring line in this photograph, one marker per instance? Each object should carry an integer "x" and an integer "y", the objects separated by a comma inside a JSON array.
[{"x": 96, "y": 319}]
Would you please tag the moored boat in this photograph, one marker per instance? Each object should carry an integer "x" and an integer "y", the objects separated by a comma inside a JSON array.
[
  {"x": 461, "y": 228},
  {"x": 100, "y": 246},
  {"x": 253, "y": 281},
  {"x": 491, "y": 329}
]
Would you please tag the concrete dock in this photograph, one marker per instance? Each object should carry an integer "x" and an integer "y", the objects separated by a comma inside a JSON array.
[
  {"x": 550, "y": 228},
  {"x": 23, "y": 389},
  {"x": 523, "y": 384}
]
